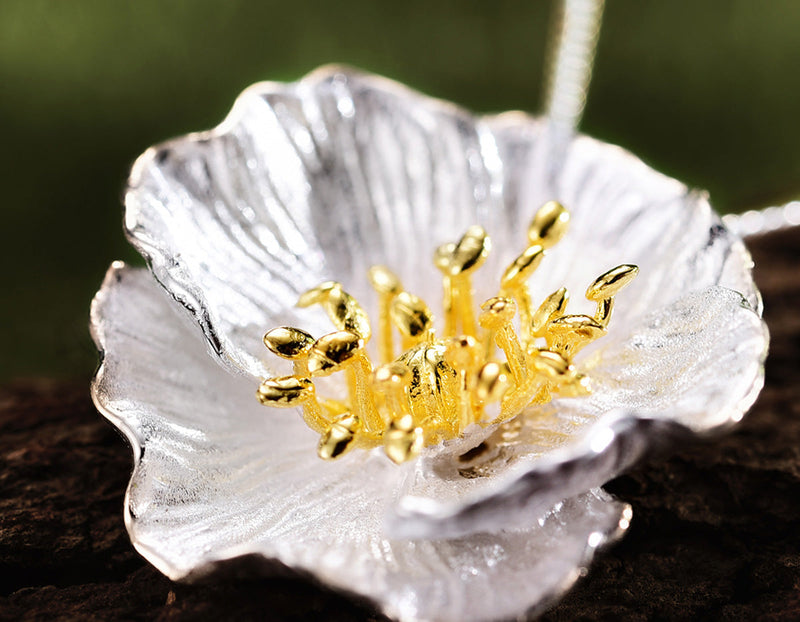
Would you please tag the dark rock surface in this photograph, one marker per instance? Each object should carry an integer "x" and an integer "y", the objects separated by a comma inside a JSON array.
[{"x": 715, "y": 534}]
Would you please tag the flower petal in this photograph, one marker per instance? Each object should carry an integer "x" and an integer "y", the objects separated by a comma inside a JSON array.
[
  {"x": 622, "y": 212},
  {"x": 694, "y": 365},
  {"x": 217, "y": 476},
  {"x": 303, "y": 183},
  {"x": 323, "y": 178}
]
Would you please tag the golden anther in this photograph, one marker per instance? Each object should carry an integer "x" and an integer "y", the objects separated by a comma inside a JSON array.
[
  {"x": 491, "y": 384},
  {"x": 522, "y": 268},
  {"x": 339, "y": 437},
  {"x": 290, "y": 343},
  {"x": 433, "y": 391},
  {"x": 291, "y": 391},
  {"x": 497, "y": 312},
  {"x": 412, "y": 317},
  {"x": 438, "y": 387},
  {"x": 548, "y": 225},
  {"x": 403, "y": 440},
  {"x": 465, "y": 256},
  {"x": 344, "y": 351},
  {"x": 608, "y": 285},
  {"x": 384, "y": 281},
  {"x": 343, "y": 310},
  {"x": 514, "y": 284},
  {"x": 332, "y": 351},
  {"x": 317, "y": 295},
  {"x": 287, "y": 342},
  {"x": 496, "y": 317},
  {"x": 553, "y": 307},
  {"x": 457, "y": 262},
  {"x": 285, "y": 392},
  {"x": 570, "y": 333},
  {"x": 387, "y": 285}
]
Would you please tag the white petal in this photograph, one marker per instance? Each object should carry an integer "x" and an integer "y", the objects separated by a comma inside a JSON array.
[
  {"x": 622, "y": 212},
  {"x": 218, "y": 476},
  {"x": 694, "y": 365},
  {"x": 698, "y": 362},
  {"x": 303, "y": 183},
  {"x": 323, "y": 178}
]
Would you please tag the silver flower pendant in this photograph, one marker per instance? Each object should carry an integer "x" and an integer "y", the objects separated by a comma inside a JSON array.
[{"x": 321, "y": 179}]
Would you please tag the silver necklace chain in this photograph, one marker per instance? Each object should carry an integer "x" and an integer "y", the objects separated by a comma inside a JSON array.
[{"x": 571, "y": 57}]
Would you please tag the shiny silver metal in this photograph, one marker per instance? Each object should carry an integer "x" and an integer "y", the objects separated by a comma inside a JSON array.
[{"x": 321, "y": 179}]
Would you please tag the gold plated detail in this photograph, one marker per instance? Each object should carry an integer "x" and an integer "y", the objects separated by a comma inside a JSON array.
[
  {"x": 403, "y": 439},
  {"x": 412, "y": 318},
  {"x": 606, "y": 286},
  {"x": 514, "y": 282},
  {"x": 457, "y": 262},
  {"x": 483, "y": 370},
  {"x": 549, "y": 225},
  {"x": 553, "y": 307},
  {"x": 339, "y": 437},
  {"x": 291, "y": 343},
  {"x": 291, "y": 391},
  {"x": 341, "y": 307},
  {"x": 386, "y": 283}
]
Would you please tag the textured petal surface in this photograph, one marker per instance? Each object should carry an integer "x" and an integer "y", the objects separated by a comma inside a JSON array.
[
  {"x": 218, "y": 476},
  {"x": 661, "y": 381},
  {"x": 622, "y": 212},
  {"x": 323, "y": 178},
  {"x": 304, "y": 183}
]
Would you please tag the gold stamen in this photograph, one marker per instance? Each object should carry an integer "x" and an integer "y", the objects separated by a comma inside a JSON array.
[
  {"x": 344, "y": 351},
  {"x": 286, "y": 392},
  {"x": 514, "y": 283},
  {"x": 392, "y": 380},
  {"x": 549, "y": 225},
  {"x": 290, "y": 343},
  {"x": 483, "y": 372},
  {"x": 386, "y": 283},
  {"x": 457, "y": 262},
  {"x": 496, "y": 317},
  {"x": 553, "y": 307},
  {"x": 403, "y": 439},
  {"x": 433, "y": 390},
  {"x": 339, "y": 437},
  {"x": 606, "y": 286},
  {"x": 463, "y": 353},
  {"x": 491, "y": 384},
  {"x": 343, "y": 310},
  {"x": 570, "y": 333},
  {"x": 610, "y": 283},
  {"x": 290, "y": 391},
  {"x": 413, "y": 319}
]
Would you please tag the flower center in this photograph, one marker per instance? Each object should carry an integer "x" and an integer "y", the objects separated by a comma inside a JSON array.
[{"x": 482, "y": 370}]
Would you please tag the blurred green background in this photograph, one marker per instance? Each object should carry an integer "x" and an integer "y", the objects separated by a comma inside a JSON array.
[{"x": 707, "y": 91}]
